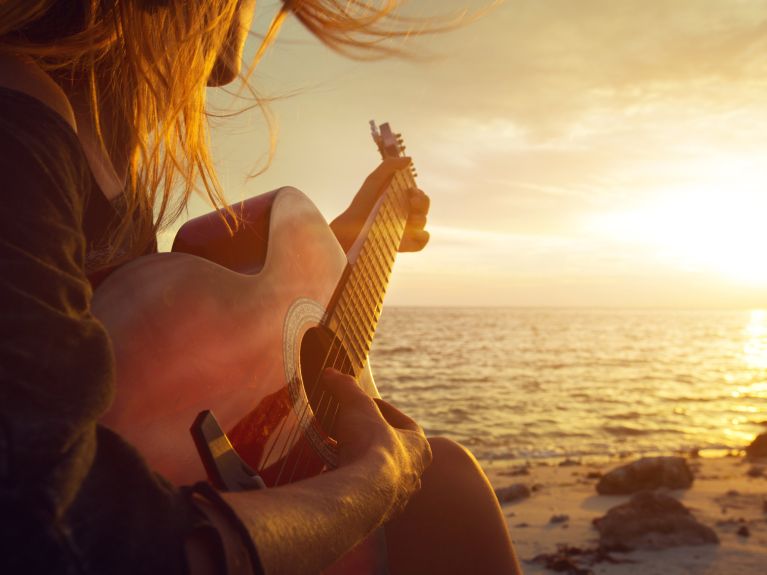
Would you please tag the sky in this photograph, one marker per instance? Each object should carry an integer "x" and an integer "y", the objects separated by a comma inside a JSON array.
[{"x": 577, "y": 153}]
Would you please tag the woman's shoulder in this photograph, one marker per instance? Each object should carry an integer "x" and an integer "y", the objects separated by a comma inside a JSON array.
[{"x": 22, "y": 79}]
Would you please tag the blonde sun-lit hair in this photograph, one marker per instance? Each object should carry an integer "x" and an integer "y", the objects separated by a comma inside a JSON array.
[{"x": 152, "y": 60}]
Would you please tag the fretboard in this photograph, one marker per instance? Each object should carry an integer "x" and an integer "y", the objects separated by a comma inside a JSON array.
[{"x": 359, "y": 298}]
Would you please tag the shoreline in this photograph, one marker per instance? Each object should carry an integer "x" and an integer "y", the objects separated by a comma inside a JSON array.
[{"x": 563, "y": 502}]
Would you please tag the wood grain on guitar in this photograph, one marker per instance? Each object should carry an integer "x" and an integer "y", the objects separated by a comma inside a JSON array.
[{"x": 243, "y": 324}]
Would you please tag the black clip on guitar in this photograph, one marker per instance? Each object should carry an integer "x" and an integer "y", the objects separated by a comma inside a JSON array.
[{"x": 226, "y": 469}]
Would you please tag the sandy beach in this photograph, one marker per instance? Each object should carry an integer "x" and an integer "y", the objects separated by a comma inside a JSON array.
[{"x": 728, "y": 495}]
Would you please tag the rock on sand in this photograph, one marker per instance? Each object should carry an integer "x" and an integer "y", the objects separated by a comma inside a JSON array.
[
  {"x": 646, "y": 473},
  {"x": 758, "y": 447},
  {"x": 512, "y": 493},
  {"x": 651, "y": 520}
]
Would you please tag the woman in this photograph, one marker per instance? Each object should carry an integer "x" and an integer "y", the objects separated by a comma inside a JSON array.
[{"x": 101, "y": 143}]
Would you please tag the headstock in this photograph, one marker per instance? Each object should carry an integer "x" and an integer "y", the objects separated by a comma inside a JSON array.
[{"x": 390, "y": 145}]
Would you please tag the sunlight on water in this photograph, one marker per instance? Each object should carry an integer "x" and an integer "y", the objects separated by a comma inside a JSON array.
[
  {"x": 526, "y": 383},
  {"x": 755, "y": 349}
]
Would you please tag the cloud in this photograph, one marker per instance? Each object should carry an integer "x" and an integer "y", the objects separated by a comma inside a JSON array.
[{"x": 546, "y": 64}]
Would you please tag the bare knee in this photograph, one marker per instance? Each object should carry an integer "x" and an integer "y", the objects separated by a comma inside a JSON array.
[{"x": 452, "y": 457}]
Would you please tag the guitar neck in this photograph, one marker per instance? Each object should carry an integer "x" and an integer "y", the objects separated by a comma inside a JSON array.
[{"x": 357, "y": 305}]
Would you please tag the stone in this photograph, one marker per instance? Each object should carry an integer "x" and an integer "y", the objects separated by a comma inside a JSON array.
[
  {"x": 511, "y": 493},
  {"x": 516, "y": 471},
  {"x": 755, "y": 471},
  {"x": 577, "y": 560},
  {"x": 652, "y": 520},
  {"x": 744, "y": 531},
  {"x": 561, "y": 518},
  {"x": 758, "y": 447},
  {"x": 646, "y": 473}
]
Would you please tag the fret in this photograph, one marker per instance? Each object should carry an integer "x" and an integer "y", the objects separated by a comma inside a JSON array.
[
  {"x": 373, "y": 276},
  {"x": 349, "y": 322},
  {"x": 378, "y": 261},
  {"x": 385, "y": 241},
  {"x": 391, "y": 215},
  {"x": 387, "y": 259},
  {"x": 377, "y": 256},
  {"x": 394, "y": 236},
  {"x": 372, "y": 305},
  {"x": 395, "y": 195},
  {"x": 362, "y": 332},
  {"x": 351, "y": 342},
  {"x": 364, "y": 292},
  {"x": 367, "y": 337},
  {"x": 389, "y": 235},
  {"x": 400, "y": 206},
  {"x": 401, "y": 200},
  {"x": 371, "y": 309},
  {"x": 364, "y": 269},
  {"x": 359, "y": 301}
]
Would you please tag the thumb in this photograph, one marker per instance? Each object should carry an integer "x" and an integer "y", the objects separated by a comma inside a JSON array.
[{"x": 344, "y": 388}]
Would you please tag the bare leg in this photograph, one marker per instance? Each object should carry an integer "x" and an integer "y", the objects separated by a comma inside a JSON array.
[{"x": 453, "y": 524}]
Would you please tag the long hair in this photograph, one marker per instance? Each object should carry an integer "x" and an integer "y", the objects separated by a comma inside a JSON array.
[{"x": 152, "y": 59}]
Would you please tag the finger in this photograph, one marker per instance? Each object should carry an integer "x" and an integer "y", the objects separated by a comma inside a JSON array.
[
  {"x": 419, "y": 202},
  {"x": 380, "y": 177},
  {"x": 344, "y": 388},
  {"x": 395, "y": 417},
  {"x": 414, "y": 241},
  {"x": 415, "y": 221}
]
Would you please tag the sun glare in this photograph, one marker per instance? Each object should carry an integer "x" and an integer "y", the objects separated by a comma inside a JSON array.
[
  {"x": 716, "y": 223},
  {"x": 755, "y": 348}
]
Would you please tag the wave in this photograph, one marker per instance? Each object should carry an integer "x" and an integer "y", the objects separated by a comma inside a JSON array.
[
  {"x": 388, "y": 351},
  {"x": 627, "y": 431}
]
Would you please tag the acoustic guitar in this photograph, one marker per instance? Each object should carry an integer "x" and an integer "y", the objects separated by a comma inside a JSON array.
[{"x": 243, "y": 323}]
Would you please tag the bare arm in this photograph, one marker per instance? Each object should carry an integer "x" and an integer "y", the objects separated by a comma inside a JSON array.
[{"x": 304, "y": 527}]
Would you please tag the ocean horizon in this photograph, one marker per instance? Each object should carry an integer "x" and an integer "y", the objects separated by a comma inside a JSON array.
[{"x": 520, "y": 384}]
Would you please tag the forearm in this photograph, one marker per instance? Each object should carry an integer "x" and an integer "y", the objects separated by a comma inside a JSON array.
[
  {"x": 346, "y": 228},
  {"x": 304, "y": 527}
]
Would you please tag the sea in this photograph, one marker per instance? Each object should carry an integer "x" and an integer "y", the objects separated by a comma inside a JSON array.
[{"x": 520, "y": 385}]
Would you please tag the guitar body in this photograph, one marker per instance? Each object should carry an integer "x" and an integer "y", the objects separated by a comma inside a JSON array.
[
  {"x": 242, "y": 324},
  {"x": 190, "y": 334}
]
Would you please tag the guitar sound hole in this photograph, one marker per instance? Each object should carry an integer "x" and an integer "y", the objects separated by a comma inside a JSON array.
[{"x": 320, "y": 349}]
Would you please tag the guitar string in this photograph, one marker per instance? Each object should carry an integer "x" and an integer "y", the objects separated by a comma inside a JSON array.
[
  {"x": 370, "y": 298},
  {"x": 341, "y": 360},
  {"x": 389, "y": 225},
  {"x": 303, "y": 464},
  {"x": 295, "y": 429},
  {"x": 299, "y": 421},
  {"x": 401, "y": 222},
  {"x": 307, "y": 407},
  {"x": 347, "y": 330},
  {"x": 347, "y": 308}
]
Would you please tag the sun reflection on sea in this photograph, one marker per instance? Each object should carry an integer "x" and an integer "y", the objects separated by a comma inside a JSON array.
[
  {"x": 754, "y": 356},
  {"x": 755, "y": 348}
]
